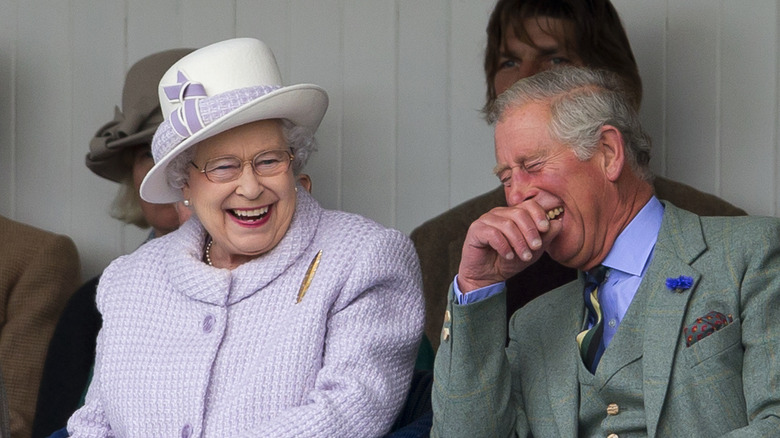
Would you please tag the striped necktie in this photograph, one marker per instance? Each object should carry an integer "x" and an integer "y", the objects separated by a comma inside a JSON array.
[{"x": 591, "y": 340}]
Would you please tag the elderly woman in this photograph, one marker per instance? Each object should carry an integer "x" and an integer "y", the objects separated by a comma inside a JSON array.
[{"x": 264, "y": 314}]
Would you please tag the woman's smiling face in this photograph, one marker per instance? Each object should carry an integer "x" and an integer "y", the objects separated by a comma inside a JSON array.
[{"x": 246, "y": 217}]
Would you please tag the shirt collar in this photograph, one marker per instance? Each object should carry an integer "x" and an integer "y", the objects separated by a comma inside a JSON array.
[{"x": 633, "y": 248}]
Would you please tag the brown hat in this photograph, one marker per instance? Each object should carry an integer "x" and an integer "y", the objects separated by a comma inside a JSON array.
[{"x": 136, "y": 122}]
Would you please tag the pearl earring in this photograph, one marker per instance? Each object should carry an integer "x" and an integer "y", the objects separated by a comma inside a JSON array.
[
  {"x": 296, "y": 190},
  {"x": 186, "y": 202}
]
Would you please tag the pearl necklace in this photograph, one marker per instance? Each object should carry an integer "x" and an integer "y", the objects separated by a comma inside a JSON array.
[{"x": 207, "y": 252}]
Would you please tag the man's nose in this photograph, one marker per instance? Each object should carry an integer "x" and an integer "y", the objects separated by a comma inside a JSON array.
[{"x": 519, "y": 188}]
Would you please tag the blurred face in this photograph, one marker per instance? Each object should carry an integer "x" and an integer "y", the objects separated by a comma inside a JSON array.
[
  {"x": 519, "y": 59},
  {"x": 248, "y": 216},
  {"x": 535, "y": 168},
  {"x": 163, "y": 218}
]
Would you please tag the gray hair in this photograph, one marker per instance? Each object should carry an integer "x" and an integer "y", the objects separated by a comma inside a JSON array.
[
  {"x": 298, "y": 138},
  {"x": 582, "y": 101}
]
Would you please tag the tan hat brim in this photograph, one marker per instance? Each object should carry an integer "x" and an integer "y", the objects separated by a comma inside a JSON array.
[{"x": 108, "y": 164}]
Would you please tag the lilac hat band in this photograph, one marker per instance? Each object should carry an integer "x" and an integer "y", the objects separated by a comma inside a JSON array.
[
  {"x": 196, "y": 110},
  {"x": 186, "y": 119}
]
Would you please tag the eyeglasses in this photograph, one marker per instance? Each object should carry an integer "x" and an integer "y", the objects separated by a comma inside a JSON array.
[{"x": 230, "y": 168}]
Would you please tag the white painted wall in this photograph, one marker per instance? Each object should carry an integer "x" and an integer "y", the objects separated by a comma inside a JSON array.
[{"x": 403, "y": 139}]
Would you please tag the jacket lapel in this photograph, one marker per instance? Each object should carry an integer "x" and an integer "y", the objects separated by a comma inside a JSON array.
[
  {"x": 680, "y": 242},
  {"x": 563, "y": 384}
]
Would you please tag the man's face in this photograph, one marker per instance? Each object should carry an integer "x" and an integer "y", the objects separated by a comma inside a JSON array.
[
  {"x": 535, "y": 168},
  {"x": 518, "y": 59}
]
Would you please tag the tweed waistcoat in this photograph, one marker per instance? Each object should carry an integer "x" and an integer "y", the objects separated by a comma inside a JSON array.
[{"x": 611, "y": 401}]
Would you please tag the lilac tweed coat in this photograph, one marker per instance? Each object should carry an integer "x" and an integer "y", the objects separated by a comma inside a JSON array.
[{"x": 188, "y": 350}]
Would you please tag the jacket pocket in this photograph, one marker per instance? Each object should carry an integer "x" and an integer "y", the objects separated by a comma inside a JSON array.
[{"x": 716, "y": 344}]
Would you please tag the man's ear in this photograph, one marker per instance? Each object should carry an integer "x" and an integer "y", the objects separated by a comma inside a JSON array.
[
  {"x": 614, "y": 151},
  {"x": 305, "y": 181}
]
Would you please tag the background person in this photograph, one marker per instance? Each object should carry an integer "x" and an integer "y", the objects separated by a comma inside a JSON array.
[
  {"x": 525, "y": 37},
  {"x": 120, "y": 152},
  {"x": 39, "y": 271},
  {"x": 263, "y": 313},
  {"x": 685, "y": 305}
]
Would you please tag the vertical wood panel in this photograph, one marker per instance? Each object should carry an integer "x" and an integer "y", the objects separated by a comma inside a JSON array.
[
  {"x": 749, "y": 86},
  {"x": 423, "y": 122},
  {"x": 471, "y": 154},
  {"x": 645, "y": 24},
  {"x": 316, "y": 57},
  {"x": 99, "y": 65},
  {"x": 776, "y": 174},
  {"x": 368, "y": 172},
  {"x": 152, "y": 26},
  {"x": 269, "y": 21},
  {"x": 692, "y": 112},
  {"x": 206, "y": 21},
  {"x": 403, "y": 139},
  {"x": 8, "y": 13},
  {"x": 44, "y": 102}
]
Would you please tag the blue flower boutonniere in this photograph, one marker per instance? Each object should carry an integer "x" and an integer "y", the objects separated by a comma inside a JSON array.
[{"x": 680, "y": 283}]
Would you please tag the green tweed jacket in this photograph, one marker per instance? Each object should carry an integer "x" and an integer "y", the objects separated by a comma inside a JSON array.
[
  {"x": 726, "y": 384},
  {"x": 439, "y": 243}
]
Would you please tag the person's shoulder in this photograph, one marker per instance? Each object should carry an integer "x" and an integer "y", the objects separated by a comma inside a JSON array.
[
  {"x": 342, "y": 227},
  {"x": 26, "y": 244},
  {"x": 693, "y": 200},
  {"x": 746, "y": 229},
  {"x": 740, "y": 236},
  {"x": 682, "y": 218},
  {"x": 463, "y": 214},
  {"x": 339, "y": 221},
  {"x": 13, "y": 230},
  {"x": 147, "y": 256}
]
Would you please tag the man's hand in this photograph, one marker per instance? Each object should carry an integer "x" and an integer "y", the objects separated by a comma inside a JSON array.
[{"x": 503, "y": 242}]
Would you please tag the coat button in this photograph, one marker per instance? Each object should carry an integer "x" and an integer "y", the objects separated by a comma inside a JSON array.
[
  {"x": 186, "y": 431},
  {"x": 447, "y": 317},
  {"x": 208, "y": 323},
  {"x": 613, "y": 409},
  {"x": 612, "y": 435},
  {"x": 445, "y": 333}
]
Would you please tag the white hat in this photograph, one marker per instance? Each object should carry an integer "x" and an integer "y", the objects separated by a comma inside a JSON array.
[{"x": 217, "y": 88}]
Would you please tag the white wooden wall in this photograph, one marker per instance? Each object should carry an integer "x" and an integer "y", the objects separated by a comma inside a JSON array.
[{"x": 403, "y": 139}]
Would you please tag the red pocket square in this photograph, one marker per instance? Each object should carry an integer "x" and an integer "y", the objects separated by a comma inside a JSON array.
[{"x": 705, "y": 326}]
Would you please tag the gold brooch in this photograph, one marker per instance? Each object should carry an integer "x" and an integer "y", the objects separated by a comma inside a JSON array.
[{"x": 309, "y": 276}]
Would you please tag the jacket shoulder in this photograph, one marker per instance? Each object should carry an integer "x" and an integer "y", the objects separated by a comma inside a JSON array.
[{"x": 696, "y": 201}]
